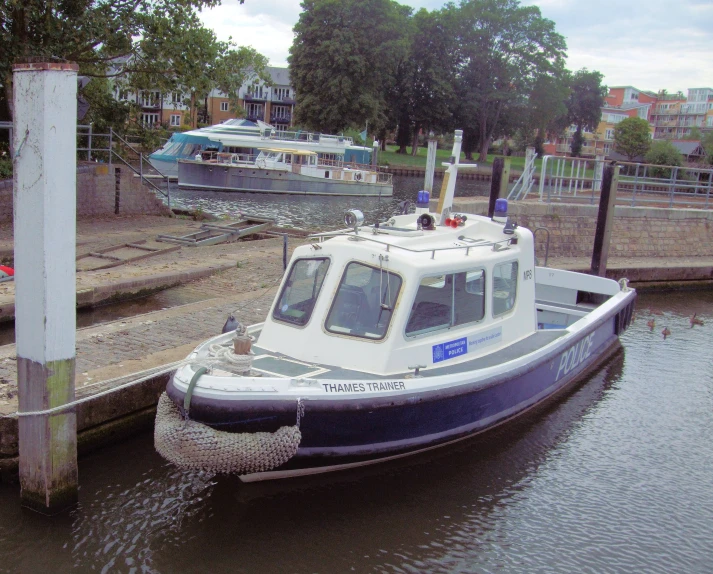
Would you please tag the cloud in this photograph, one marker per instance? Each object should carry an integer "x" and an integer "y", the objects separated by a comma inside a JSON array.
[{"x": 650, "y": 44}]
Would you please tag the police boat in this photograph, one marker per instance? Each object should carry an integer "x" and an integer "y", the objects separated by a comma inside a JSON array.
[{"x": 386, "y": 340}]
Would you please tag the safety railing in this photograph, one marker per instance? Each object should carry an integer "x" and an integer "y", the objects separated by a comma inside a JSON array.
[
  {"x": 659, "y": 185},
  {"x": 579, "y": 180},
  {"x": 526, "y": 180},
  {"x": 572, "y": 178}
]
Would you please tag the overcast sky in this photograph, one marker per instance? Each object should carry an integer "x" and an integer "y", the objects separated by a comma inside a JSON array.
[{"x": 648, "y": 44}]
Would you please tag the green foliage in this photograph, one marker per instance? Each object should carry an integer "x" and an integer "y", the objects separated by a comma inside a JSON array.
[
  {"x": 105, "y": 37},
  {"x": 503, "y": 48},
  {"x": 584, "y": 105},
  {"x": 707, "y": 144},
  {"x": 694, "y": 135},
  {"x": 343, "y": 60},
  {"x": 105, "y": 111},
  {"x": 663, "y": 152},
  {"x": 191, "y": 60},
  {"x": 424, "y": 88},
  {"x": 577, "y": 142},
  {"x": 547, "y": 109},
  {"x": 632, "y": 137},
  {"x": 5, "y": 168}
]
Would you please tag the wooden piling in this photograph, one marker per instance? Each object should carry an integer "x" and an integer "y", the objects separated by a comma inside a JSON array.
[
  {"x": 45, "y": 98},
  {"x": 605, "y": 219},
  {"x": 496, "y": 183}
]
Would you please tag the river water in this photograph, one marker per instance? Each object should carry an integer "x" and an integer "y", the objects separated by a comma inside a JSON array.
[
  {"x": 315, "y": 212},
  {"x": 615, "y": 477}
]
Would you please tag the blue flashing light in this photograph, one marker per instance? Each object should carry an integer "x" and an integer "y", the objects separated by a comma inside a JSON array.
[
  {"x": 501, "y": 208},
  {"x": 422, "y": 198}
]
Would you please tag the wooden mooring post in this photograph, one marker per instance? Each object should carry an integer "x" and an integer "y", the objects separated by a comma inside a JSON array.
[
  {"x": 499, "y": 181},
  {"x": 45, "y": 183},
  {"x": 605, "y": 219}
]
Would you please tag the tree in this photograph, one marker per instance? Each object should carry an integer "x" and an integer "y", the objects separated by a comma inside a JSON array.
[
  {"x": 584, "y": 106},
  {"x": 425, "y": 80},
  {"x": 707, "y": 145},
  {"x": 343, "y": 61},
  {"x": 504, "y": 47},
  {"x": 93, "y": 33},
  {"x": 694, "y": 135},
  {"x": 632, "y": 137},
  {"x": 663, "y": 152},
  {"x": 192, "y": 61},
  {"x": 547, "y": 108}
]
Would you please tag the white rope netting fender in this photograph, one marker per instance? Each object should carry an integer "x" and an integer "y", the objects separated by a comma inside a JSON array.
[{"x": 193, "y": 445}]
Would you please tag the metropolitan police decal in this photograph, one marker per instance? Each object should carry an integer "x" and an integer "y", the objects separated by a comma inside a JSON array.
[{"x": 457, "y": 347}]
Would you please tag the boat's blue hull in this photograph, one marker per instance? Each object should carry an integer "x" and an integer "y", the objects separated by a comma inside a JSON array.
[{"x": 344, "y": 431}]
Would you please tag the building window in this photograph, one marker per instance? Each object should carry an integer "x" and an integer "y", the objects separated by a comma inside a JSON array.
[
  {"x": 255, "y": 91},
  {"x": 176, "y": 98},
  {"x": 223, "y": 106},
  {"x": 150, "y": 99},
  {"x": 609, "y": 134},
  {"x": 149, "y": 120},
  {"x": 282, "y": 94},
  {"x": 255, "y": 111},
  {"x": 123, "y": 95},
  {"x": 175, "y": 119}
]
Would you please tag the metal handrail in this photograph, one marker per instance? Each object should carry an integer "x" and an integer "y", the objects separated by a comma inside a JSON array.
[
  {"x": 356, "y": 237},
  {"x": 547, "y": 242}
]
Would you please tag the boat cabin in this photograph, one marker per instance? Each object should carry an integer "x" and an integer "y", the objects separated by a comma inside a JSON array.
[
  {"x": 308, "y": 163},
  {"x": 390, "y": 298}
]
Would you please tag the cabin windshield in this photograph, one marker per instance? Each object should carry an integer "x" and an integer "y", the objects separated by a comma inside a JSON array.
[
  {"x": 364, "y": 302},
  {"x": 444, "y": 301},
  {"x": 301, "y": 291}
]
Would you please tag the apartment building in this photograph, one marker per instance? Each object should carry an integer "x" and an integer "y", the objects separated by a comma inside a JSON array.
[
  {"x": 272, "y": 104},
  {"x": 670, "y": 116}
]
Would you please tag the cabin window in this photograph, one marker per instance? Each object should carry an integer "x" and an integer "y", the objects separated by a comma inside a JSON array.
[
  {"x": 504, "y": 287},
  {"x": 364, "y": 302},
  {"x": 301, "y": 291},
  {"x": 444, "y": 301}
]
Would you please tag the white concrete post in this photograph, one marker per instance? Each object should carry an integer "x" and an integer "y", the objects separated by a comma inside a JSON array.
[
  {"x": 44, "y": 186},
  {"x": 598, "y": 172},
  {"x": 430, "y": 163}
]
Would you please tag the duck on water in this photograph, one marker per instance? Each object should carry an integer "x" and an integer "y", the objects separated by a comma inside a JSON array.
[{"x": 390, "y": 339}]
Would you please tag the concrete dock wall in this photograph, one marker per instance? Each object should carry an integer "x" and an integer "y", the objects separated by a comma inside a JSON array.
[
  {"x": 96, "y": 193},
  {"x": 638, "y": 231}
]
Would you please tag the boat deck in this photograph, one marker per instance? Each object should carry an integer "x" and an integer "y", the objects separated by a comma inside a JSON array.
[{"x": 280, "y": 365}]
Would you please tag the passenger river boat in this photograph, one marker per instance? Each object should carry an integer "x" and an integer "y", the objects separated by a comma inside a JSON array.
[
  {"x": 283, "y": 170},
  {"x": 389, "y": 339}
]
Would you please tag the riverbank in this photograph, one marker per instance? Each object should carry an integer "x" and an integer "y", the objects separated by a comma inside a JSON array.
[{"x": 239, "y": 278}]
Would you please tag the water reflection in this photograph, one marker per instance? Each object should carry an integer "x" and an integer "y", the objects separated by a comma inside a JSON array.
[{"x": 615, "y": 477}]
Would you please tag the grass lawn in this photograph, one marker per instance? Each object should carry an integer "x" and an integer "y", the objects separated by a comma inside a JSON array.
[{"x": 394, "y": 159}]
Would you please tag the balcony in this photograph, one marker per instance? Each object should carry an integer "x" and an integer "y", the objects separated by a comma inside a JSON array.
[
  {"x": 280, "y": 118},
  {"x": 254, "y": 98},
  {"x": 255, "y": 116},
  {"x": 286, "y": 100}
]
